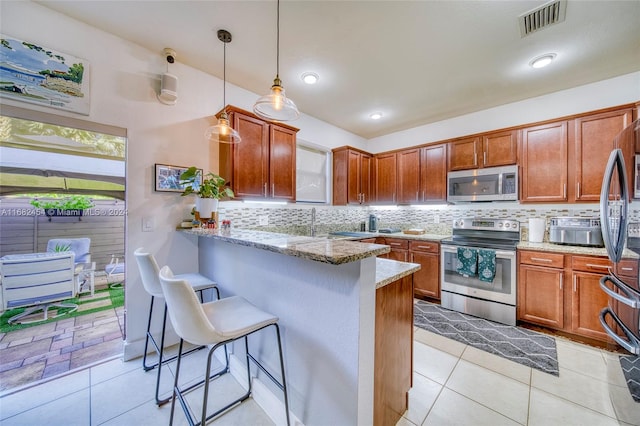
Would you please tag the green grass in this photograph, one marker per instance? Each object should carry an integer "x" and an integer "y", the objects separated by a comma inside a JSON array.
[{"x": 116, "y": 295}]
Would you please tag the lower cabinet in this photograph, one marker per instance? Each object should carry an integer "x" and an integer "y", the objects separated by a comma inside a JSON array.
[
  {"x": 563, "y": 292},
  {"x": 399, "y": 248},
  {"x": 426, "y": 282}
]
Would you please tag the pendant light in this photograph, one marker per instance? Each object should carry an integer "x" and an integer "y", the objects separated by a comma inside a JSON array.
[
  {"x": 223, "y": 132},
  {"x": 276, "y": 106}
]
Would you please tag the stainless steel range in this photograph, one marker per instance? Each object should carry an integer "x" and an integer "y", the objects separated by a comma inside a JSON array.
[{"x": 478, "y": 268}]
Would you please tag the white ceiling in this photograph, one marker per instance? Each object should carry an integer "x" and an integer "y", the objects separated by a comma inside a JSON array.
[{"x": 415, "y": 61}]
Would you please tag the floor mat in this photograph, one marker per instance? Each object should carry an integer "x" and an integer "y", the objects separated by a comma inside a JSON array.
[
  {"x": 631, "y": 368},
  {"x": 517, "y": 344}
]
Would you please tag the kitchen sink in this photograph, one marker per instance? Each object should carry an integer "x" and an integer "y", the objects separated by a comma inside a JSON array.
[{"x": 352, "y": 234}]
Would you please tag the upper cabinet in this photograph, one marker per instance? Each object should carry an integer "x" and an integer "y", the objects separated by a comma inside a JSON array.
[
  {"x": 385, "y": 172},
  {"x": 544, "y": 163},
  {"x": 422, "y": 175},
  {"x": 263, "y": 165},
  {"x": 565, "y": 161},
  {"x": 352, "y": 171},
  {"x": 487, "y": 150},
  {"x": 593, "y": 142}
]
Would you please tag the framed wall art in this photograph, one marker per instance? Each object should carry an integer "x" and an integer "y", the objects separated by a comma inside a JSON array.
[
  {"x": 168, "y": 178},
  {"x": 43, "y": 76}
]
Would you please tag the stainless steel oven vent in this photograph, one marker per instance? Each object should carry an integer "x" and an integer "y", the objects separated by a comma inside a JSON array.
[{"x": 541, "y": 17}]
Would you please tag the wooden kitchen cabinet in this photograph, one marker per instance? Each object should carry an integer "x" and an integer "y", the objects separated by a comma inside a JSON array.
[
  {"x": 544, "y": 163},
  {"x": 409, "y": 176},
  {"x": 263, "y": 165},
  {"x": 426, "y": 281},
  {"x": 593, "y": 142},
  {"x": 352, "y": 170},
  {"x": 540, "y": 288},
  {"x": 386, "y": 182},
  {"x": 399, "y": 248},
  {"x": 433, "y": 173},
  {"x": 487, "y": 150}
]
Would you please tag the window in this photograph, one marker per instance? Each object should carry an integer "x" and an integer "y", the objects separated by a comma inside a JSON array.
[{"x": 312, "y": 174}]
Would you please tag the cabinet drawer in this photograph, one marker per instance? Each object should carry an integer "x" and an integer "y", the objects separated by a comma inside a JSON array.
[
  {"x": 552, "y": 260},
  {"x": 600, "y": 265},
  {"x": 628, "y": 268},
  {"x": 368, "y": 240},
  {"x": 397, "y": 243},
  {"x": 426, "y": 246}
]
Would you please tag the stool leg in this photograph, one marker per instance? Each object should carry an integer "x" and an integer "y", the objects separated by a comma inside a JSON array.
[
  {"x": 146, "y": 340},
  {"x": 284, "y": 381},
  {"x": 164, "y": 326},
  {"x": 175, "y": 384}
]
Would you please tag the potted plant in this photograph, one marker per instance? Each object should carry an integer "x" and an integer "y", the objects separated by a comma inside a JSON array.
[
  {"x": 67, "y": 206},
  {"x": 209, "y": 188}
]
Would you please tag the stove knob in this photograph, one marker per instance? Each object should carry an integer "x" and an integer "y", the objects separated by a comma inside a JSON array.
[
  {"x": 499, "y": 224},
  {"x": 507, "y": 225}
]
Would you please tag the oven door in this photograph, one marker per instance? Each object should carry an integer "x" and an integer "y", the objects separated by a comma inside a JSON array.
[{"x": 502, "y": 289}]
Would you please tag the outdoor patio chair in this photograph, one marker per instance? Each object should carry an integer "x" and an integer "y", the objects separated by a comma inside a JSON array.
[
  {"x": 84, "y": 267},
  {"x": 115, "y": 269},
  {"x": 37, "y": 281}
]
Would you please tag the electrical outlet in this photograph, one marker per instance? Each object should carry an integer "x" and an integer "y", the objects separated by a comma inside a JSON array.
[
  {"x": 436, "y": 219},
  {"x": 263, "y": 220},
  {"x": 147, "y": 224}
]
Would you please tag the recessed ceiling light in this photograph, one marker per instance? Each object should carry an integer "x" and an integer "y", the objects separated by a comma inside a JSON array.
[
  {"x": 376, "y": 116},
  {"x": 310, "y": 77},
  {"x": 542, "y": 61}
]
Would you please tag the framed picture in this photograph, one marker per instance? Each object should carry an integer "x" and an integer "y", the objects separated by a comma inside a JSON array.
[
  {"x": 168, "y": 178},
  {"x": 43, "y": 76}
]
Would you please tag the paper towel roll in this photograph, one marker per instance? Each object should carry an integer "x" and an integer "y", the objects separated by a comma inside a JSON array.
[{"x": 536, "y": 230}]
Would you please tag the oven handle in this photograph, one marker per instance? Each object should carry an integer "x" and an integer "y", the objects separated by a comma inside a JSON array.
[
  {"x": 499, "y": 253},
  {"x": 633, "y": 345},
  {"x": 631, "y": 299}
]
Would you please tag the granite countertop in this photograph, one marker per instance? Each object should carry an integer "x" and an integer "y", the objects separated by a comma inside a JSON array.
[
  {"x": 333, "y": 251},
  {"x": 401, "y": 235},
  {"x": 388, "y": 271},
  {"x": 568, "y": 249}
]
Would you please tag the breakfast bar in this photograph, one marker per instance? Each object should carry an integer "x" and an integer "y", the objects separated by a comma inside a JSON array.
[{"x": 346, "y": 319}]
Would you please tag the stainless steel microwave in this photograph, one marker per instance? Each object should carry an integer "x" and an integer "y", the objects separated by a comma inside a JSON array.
[{"x": 490, "y": 184}]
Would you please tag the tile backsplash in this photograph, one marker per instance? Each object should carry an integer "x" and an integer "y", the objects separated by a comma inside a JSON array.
[{"x": 296, "y": 218}]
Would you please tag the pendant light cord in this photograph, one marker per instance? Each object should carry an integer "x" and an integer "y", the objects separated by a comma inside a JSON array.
[
  {"x": 224, "y": 77},
  {"x": 278, "y": 41}
]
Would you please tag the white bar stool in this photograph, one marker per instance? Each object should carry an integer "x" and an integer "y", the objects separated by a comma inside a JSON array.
[
  {"x": 214, "y": 323},
  {"x": 149, "y": 271}
]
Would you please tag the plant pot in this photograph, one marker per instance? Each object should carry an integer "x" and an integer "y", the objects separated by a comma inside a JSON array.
[{"x": 206, "y": 207}]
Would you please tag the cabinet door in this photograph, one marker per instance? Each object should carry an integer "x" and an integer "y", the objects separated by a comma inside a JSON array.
[
  {"x": 282, "y": 163},
  {"x": 251, "y": 157},
  {"x": 544, "y": 163},
  {"x": 433, "y": 173},
  {"x": 409, "y": 176},
  {"x": 353, "y": 178},
  {"x": 500, "y": 149},
  {"x": 540, "y": 296},
  {"x": 594, "y": 140},
  {"x": 386, "y": 181},
  {"x": 366, "y": 186},
  {"x": 463, "y": 154},
  {"x": 587, "y": 300},
  {"x": 426, "y": 281},
  {"x": 340, "y": 176}
]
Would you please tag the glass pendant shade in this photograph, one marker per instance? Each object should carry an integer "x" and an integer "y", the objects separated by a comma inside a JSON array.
[
  {"x": 276, "y": 106},
  {"x": 222, "y": 132}
]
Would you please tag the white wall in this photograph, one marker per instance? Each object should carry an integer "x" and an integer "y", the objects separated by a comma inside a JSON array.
[
  {"x": 607, "y": 93},
  {"x": 124, "y": 82}
]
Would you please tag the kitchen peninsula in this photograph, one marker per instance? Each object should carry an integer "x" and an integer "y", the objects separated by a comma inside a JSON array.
[{"x": 346, "y": 318}]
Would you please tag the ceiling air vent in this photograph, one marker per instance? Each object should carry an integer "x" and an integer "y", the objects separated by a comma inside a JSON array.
[{"x": 542, "y": 17}]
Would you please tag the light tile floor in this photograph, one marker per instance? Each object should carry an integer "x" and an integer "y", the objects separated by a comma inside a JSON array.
[{"x": 453, "y": 384}]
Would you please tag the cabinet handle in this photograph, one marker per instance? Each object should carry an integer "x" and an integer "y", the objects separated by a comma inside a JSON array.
[
  {"x": 360, "y": 198},
  {"x": 393, "y": 197},
  {"x": 484, "y": 158},
  {"x": 475, "y": 158},
  {"x": 564, "y": 190},
  {"x": 265, "y": 189},
  {"x": 424, "y": 247},
  {"x": 575, "y": 283},
  {"x": 578, "y": 191},
  {"x": 423, "y": 195},
  {"x": 561, "y": 280},
  {"x": 273, "y": 190},
  {"x": 591, "y": 265},
  {"x": 417, "y": 196},
  {"x": 539, "y": 259},
  {"x": 363, "y": 198},
  {"x": 626, "y": 269}
]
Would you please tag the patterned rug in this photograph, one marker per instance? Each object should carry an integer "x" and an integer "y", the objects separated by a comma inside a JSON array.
[
  {"x": 631, "y": 367},
  {"x": 517, "y": 344}
]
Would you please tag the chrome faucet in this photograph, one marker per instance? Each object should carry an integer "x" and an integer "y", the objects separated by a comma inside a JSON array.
[{"x": 313, "y": 222}]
